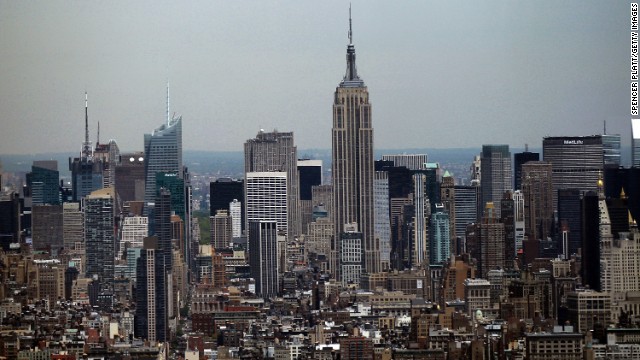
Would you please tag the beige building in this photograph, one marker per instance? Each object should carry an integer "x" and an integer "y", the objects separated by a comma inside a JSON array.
[
  {"x": 477, "y": 295},
  {"x": 561, "y": 344},
  {"x": 352, "y": 163},
  {"x": 588, "y": 308},
  {"x": 492, "y": 255},
  {"x": 621, "y": 275},
  {"x": 538, "y": 199},
  {"x": 50, "y": 280},
  {"x": 221, "y": 229},
  {"x": 454, "y": 275}
]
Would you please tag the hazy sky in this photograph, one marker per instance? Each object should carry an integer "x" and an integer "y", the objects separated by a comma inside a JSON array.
[{"x": 440, "y": 74}]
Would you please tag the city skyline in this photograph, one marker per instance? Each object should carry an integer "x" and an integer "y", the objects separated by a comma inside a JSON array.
[{"x": 506, "y": 73}]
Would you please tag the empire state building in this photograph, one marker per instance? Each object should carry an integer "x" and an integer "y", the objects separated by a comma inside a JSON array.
[{"x": 352, "y": 163}]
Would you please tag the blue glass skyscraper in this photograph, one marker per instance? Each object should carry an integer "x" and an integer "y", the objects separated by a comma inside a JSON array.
[{"x": 163, "y": 153}]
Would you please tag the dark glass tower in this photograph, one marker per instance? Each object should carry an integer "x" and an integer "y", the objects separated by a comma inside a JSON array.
[
  {"x": 100, "y": 239},
  {"x": 162, "y": 226},
  {"x": 151, "y": 289},
  {"x": 86, "y": 172},
  {"x": 43, "y": 181},
  {"x": 520, "y": 159},
  {"x": 569, "y": 213},
  {"x": 578, "y": 161},
  {"x": 263, "y": 257},
  {"x": 222, "y": 192},
  {"x": 495, "y": 174}
]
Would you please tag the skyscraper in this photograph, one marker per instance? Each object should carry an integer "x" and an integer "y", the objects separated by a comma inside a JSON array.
[
  {"x": 439, "y": 249},
  {"x": 221, "y": 230},
  {"x": 263, "y": 257},
  {"x": 491, "y": 241},
  {"x": 46, "y": 227},
  {"x": 351, "y": 252},
  {"x": 570, "y": 206},
  {"x": 222, "y": 193},
  {"x": 276, "y": 151},
  {"x": 10, "y": 219},
  {"x": 421, "y": 213},
  {"x": 382, "y": 224},
  {"x": 235, "y": 211},
  {"x": 447, "y": 198},
  {"x": 175, "y": 184},
  {"x": 591, "y": 237},
  {"x": 518, "y": 219},
  {"x": 43, "y": 181},
  {"x": 577, "y": 161},
  {"x": 129, "y": 177},
  {"x": 520, "y": 159},
  {"x": 466, "y": 202},
  {"x": 352, "y": 160},
  {"x": 495, "y": 173},
  {"x": 109, "y": 156},
  {"x": 538, "y": 199},
  {"x": 410, "y": 161},
  {"x": 73, "y": 227},
  {"x": 99, "y": 229},
  {"x": 266, "y": 198},
  {"x": 151, "y": 284},
  {"x": 507, "y": 218},
  {"x": 163, "y": 153},
  {"x": 309, "y": 175},
  {"x": 162, "y": 226},
  {"x": 134, "y": 230},
  {"x": 86, "y": 172}
]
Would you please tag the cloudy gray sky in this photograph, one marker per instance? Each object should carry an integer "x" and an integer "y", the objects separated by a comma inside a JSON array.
[{"x": 440, "y": 74}]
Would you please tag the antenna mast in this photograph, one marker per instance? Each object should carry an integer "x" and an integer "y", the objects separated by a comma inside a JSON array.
[
  {"x": 168, "y": 116},
  {"x": 350, "y": 30},
  {"x": 86, "y": 146}
]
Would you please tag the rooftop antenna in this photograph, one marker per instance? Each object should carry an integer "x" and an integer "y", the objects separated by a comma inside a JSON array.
[
  {"x": 168, "y": 116},
  {"x": 350, "y": 31},
  {"x": 86, "y": 146},
  {"x": 605, "y": 127},
  {"x": 98, "y": 137}
]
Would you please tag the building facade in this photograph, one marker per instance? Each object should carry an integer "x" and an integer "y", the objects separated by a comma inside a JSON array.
[
  {"x": 266, "y": 198},
  {"x": 263, "y": 256},
  {"x": 276, "y": 152},
  {"x": 99, "y": 233},
  {"x": 496, "y": 173},
  {"x": 578, "y": 161},
  {"x": 352, "y": 161},
  {"x": 163, "y": 153}
]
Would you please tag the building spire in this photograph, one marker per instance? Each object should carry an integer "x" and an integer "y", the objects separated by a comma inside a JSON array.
[
  {"x": 351, "y": 77},
  {"x": 86, "y": 145},
  {"x": 168, "y": 116},
  {"x": 350, "y": 29}
]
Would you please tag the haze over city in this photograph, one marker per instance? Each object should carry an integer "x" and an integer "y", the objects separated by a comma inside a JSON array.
[{"x": 439, "y": 74}]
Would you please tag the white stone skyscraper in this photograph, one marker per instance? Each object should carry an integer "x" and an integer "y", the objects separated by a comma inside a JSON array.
[
  {"x": 276, "y": 152},
  {"x": 352, "y": 162},
  {"x": 266, "y": 198},
  {"x": 382, "y": 224}
]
